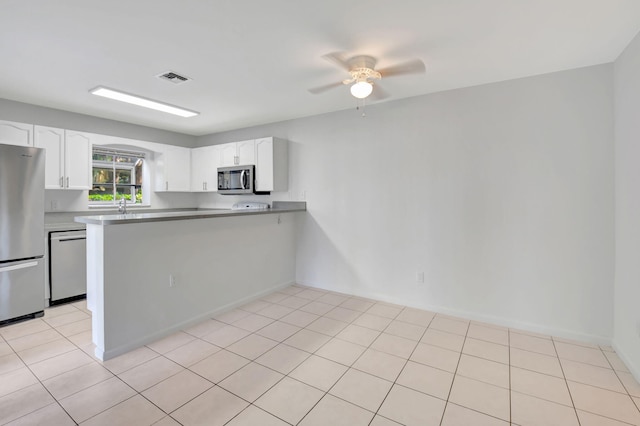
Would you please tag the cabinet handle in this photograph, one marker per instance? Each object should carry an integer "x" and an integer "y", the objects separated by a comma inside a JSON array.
[
  {"x": 67, "y": 181},
  {"x": 61, "y": 182}
]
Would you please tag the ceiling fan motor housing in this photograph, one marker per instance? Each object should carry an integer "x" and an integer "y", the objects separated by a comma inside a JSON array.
[
  {"x": 362, "y": 74},
  {"x": 362, "y": 61},
  {"x": 361, "y": 68}
]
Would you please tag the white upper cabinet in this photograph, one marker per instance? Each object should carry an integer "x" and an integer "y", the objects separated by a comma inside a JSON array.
[
  {"x": 272, "y": 166},
  {"x": 77, "y": 160},
  {"x": 12, "y": 133},
  {"x": 237, "y": 153},
  {"x": 228, "y": 154},
  {"x": 68, "y": 157},
  {"x": 204, "y": 169},
  {"x": 52, "y": 140},
  {"x": 246, "y": 152},
  {"x": 173, "y": 169}
]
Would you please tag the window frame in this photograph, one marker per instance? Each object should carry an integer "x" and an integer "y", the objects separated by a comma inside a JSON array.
[{"x": 114, "y": 166}]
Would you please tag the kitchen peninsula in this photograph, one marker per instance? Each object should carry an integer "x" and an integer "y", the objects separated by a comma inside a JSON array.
[{"x": 151, "y": 274}]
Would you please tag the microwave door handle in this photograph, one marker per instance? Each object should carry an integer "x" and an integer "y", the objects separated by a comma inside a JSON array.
[{"x": 242, "y": 180}]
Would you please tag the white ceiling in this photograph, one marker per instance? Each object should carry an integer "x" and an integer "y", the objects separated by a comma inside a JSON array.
[{"x": 252, "y": 61}]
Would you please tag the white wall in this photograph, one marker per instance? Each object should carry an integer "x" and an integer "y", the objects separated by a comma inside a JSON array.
[
  {"x": 627, "y": 206},
  {"x": 502, "y": 194}
]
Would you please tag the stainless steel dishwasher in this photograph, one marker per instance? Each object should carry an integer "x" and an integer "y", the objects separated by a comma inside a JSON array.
[{"x": 68, "y": 265}]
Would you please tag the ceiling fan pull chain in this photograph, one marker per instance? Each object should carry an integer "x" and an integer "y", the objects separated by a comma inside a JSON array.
[{"x": 358, "y": 107}]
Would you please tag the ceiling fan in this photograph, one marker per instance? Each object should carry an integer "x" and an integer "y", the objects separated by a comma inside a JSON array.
[{"x": 362, "y": 74}]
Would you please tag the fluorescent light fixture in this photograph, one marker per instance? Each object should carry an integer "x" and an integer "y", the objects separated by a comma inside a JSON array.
[{"x": 137, "y": 100}]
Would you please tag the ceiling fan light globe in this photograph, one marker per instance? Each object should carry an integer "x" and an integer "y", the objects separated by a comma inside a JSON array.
[{"x": 361, "y": 89}]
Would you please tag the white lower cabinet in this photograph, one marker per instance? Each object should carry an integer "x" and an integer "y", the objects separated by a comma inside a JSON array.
[
  {"x": 68, "y": 157},
  {"x": 13, "y": 133},
  {"x": 173, "y": 169},
  {"x": 204, "y": 169}
]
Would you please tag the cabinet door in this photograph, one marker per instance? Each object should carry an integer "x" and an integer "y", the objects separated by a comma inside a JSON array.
[
  {"x": 52, "y": 140},
  {"x": 211, "y": 155},
  {"x": 246, "y": 152},
  {"x": 198, "y": 170},
  {"x": 228, "y": 154},
  {"x": 204, "y": 169},
  {"x": 12, "y": 133},
  {"x": 175, "y": 168},
  {"x": 77, "y": 160},
  {"x": 264, "y": 164}
]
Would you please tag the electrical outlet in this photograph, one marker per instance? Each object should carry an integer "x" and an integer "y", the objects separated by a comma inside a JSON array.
[
  {"x": 420, "y": 277},
  {"x": 54, "y": 205},
  {"x": 172, "y": 281},
  {"x": 279, "y": 220},
  {"x": 303, "y": 195}
]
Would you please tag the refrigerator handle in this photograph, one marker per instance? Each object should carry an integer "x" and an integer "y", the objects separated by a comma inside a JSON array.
[{"x": 19, "y": 266}]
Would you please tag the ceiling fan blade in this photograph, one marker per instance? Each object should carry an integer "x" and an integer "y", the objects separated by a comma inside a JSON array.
[
  {"x": 320, "y": 89},
  {"x": 338, "y": 59},
  {"x": 415, "y": 66},
  {"x": 378, "y": 93}
]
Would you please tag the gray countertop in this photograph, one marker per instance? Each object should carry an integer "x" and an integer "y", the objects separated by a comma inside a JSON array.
[
  {"x": 64, "y": 226},
  {"x": 121, "y": 219}
]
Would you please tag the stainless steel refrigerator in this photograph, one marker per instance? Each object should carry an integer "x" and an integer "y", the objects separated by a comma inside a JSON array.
[{"x": 21, "y": 232}]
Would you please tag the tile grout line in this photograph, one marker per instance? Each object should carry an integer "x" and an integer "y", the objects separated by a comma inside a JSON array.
[
  {"x": 335, "y": 306},
  {"x": 331, "y": 337},
  {"x": 348, "y": 367},
  {"x": 40, "y": 381},
  {"x": 214, "y": 384},
  {"x": 403, "y": 367},
  {"x": 620, "y": 380},
  {"x": 566, "y": 383},
  {"x": 559, "y": 361},
  {"x": 455, "y": 373},
  {"x": 284, "y": 375}
]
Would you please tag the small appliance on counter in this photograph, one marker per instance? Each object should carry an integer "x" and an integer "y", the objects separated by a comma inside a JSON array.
[
  {"x": 21, "y": 232},
  {"x": 250, "y": 205}
]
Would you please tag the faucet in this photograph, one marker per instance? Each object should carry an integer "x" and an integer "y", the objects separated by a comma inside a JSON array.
[{"x": 122, "y": 207}]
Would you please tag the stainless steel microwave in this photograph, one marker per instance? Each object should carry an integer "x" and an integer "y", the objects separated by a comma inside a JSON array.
[{"x": 236, "y": 180}]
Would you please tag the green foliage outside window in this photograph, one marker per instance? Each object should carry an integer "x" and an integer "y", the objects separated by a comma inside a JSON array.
[{"x": 116, "y": 177}]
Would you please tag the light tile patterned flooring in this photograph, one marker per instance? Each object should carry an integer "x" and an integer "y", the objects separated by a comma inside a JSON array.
[{"x": 311, "y": 357}]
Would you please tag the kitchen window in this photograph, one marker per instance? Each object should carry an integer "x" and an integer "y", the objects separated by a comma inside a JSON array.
[{"x": 116, "y": 174}]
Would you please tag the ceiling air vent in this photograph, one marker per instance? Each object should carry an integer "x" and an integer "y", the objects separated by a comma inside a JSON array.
[{"x": 173, "y": 77}]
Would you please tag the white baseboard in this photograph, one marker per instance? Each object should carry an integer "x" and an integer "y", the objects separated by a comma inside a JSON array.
[
  {"x": 630, "y": 363},
  {"x": 474, "y": 316},
  {"x": 112, "y": 353}
]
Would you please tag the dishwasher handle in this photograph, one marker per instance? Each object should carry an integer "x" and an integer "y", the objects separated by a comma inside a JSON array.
[
  {"x": 67, "y": 236},
  {"x": 62, "y": 239}
]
